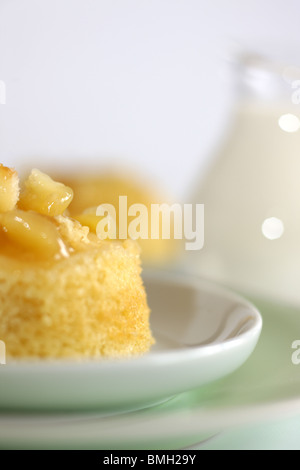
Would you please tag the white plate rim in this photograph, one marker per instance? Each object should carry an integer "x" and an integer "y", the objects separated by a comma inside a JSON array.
[{"x": 173, "y": 356}]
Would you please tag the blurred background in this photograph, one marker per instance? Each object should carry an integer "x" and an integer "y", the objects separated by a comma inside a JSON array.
[
  {"x": 152, "y": 84},
  {"x": 139, "y": 81}
]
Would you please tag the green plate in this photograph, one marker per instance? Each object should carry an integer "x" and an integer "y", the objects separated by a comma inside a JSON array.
[{"x": 266, "y": 387}]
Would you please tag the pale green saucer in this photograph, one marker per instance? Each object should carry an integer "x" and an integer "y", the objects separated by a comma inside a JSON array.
[{"x": 266, "y": 387}]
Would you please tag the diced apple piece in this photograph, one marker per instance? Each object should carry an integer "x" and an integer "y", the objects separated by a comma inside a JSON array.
[
  {"x": 88, "y": 218},
  {"x": 44, "y": 195},
  {"x": 32, "y": 232},
  {"x": 9, "y": 188}
]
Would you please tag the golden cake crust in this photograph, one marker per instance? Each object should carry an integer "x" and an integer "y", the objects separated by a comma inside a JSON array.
[
  {"x": 63, "y": 292},
  {"x": 92, "y": 304}
]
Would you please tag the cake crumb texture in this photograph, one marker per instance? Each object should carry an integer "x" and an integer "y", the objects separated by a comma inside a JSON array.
[{"x": 90, "y": 305}]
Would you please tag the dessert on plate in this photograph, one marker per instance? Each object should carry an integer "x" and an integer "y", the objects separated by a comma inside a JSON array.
[{"x": 64, "y": 293}]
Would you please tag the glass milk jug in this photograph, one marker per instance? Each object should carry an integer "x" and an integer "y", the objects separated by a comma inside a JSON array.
[{"x": 251, "y": 193}]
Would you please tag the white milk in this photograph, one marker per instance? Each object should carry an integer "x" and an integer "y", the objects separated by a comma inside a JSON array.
[{"x": 252, "y": 203}]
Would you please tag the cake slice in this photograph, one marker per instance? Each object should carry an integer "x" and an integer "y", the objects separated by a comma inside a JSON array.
[{"x": 63, "y": 292}]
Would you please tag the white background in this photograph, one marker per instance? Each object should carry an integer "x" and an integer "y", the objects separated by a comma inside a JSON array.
[{"x": 140, "y": 81}]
